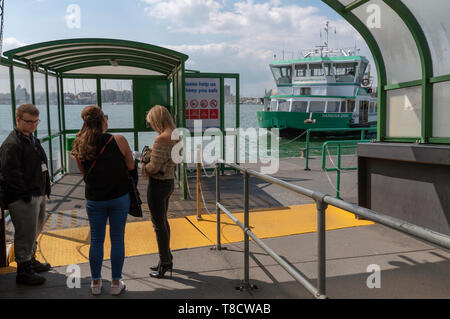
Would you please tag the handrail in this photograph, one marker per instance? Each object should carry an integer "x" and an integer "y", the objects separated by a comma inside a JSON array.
[
  {"x": 363, "y": 131},
  {"x": 338, "y": 168},
  {"x": 322, "y": 202}
]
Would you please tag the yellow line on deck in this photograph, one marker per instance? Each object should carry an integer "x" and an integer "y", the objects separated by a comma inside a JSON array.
[{"x": 71, "y": 246}]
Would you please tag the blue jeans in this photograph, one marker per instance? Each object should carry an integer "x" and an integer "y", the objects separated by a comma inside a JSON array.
[{"x": 116, "y": 210}]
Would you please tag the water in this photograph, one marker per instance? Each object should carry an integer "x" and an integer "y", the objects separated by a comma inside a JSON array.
[{"x": 121, "y": 116}]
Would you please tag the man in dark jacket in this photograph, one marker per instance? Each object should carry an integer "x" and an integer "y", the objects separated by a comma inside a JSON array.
[{"x": 25, "y": 181}]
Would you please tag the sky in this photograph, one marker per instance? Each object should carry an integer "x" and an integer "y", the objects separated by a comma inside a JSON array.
[{"x": 218, "y": 35}]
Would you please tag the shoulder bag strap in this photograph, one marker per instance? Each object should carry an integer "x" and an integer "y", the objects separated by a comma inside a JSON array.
[{"x": 99, "y": 154}]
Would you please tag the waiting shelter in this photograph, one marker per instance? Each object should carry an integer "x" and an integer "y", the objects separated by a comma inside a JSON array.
[
  {"x": 406, "y": 172},
  {"x": 125, "y": 78}
]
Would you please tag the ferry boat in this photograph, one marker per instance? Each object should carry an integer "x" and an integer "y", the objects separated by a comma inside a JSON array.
[{"x": 324, "y": 89}]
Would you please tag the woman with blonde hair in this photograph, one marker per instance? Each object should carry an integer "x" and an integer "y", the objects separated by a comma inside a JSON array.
[
  {"x": 159, "y": 168},
  {"x": 104, "y": 160}
]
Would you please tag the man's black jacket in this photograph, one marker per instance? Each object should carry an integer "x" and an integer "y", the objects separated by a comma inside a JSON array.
[{"x": 21, "y": 173}]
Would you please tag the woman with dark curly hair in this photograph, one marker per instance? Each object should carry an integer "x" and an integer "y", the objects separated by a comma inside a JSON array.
[{"x": 104, "y": 160}]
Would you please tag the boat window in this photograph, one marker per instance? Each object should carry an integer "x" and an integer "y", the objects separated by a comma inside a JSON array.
[
  {"x": 328, "y": 69},
  {"x": 351, "y": 106},
  {"x": 273, "y": 105},
  {"x": 343, "y": 106},
  {"x": 376, "y": 107},
  {"x": 345, "y": 72},
  {"x": 317, "y": 106},
  {"x": 305, "y": 91},
  {"x": 316, "y": 69},
  {"x": 371, "y": 109},
  {"x": 300, "y": 70},
  {"x": 299, "y": 106},
  {"x": 283, "y": 106},
  {"x": 362, "y": 70},
  {"x": 333, "y": 106},
  {"x": 282, "y": 74}
]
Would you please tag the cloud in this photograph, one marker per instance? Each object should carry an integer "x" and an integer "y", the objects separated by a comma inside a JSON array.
[
  {"x": 11, "y": 43},
  {"x": 243, "y": 37}
]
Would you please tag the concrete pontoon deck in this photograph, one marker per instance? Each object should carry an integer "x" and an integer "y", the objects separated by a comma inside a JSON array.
[{"x": 285, "y": 221}]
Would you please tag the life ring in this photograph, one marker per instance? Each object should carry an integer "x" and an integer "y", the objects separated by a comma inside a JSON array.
[{"x": 365, "y": 82}]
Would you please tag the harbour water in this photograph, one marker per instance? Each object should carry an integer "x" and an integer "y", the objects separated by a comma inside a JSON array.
[{"x": 121, "y": 116}]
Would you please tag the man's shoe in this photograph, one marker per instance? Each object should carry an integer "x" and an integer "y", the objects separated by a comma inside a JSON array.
[
  {"x": 39, "y": 267},
  {"x": 27, "y": 276}
]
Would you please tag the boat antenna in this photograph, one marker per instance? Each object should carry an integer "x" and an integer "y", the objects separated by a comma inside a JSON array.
[{"x": 327, "y": 30}]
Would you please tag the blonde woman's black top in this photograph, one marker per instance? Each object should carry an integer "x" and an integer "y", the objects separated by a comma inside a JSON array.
[{"x": 109, "y": 177}]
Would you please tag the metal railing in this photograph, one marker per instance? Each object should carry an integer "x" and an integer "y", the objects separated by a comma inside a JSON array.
[
  {"x": 364, "y": 131},
  {"x": 322, "y": 202},
  {"x": 337, "y": 167}
]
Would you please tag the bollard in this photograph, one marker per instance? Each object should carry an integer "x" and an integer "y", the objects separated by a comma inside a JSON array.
[
  {"x": 199, "y": 181},
  {"x": 303, "y": 153},
  {"x": 218, "y": 246}
]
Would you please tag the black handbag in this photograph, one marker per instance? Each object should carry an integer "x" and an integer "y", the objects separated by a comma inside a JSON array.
[{"x": 135, "y": 197}]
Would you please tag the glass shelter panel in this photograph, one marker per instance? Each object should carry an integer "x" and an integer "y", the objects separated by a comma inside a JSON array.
[
  {"x": 117, "y": 103},
  {"x": 5, "y": 104},
  {"x": 435, "y": 24},
  {"x": 53, "y": 98},
  {"x": 56, "y": 154},
  {"x": 22, "y": 86},
  {"x": 78, "y": 93},
  {"x": 396, "y": 43},
  {"x": 346, "y": 2},
  {"x": 404, "y": 112},
  {"x": 441, "y": 110},
  {"x": 40, "y": 98},
  {"x": 230, "y": 103}
]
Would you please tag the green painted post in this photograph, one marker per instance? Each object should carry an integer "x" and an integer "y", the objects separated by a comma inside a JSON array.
[
  {"x": 307, "y": 150},
  {"x": 13, "y": 93}
]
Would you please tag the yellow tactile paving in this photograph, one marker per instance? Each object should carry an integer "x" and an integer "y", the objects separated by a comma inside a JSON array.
[
  {"x": 71, "y": 246},
  {"x": 267, "y": 223}
]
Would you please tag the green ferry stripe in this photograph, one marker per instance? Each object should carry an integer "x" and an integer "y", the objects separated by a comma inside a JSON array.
[{"x": 312, "y": 59}]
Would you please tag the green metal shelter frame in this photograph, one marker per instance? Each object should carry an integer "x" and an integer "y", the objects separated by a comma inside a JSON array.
[
  {"x": 158, "y": 77},
  {"x": 404, "y": 10},
  {"x": 64, "y": 59}
]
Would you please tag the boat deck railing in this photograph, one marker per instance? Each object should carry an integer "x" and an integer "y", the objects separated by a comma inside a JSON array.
[{"x": 322, "y": 202}]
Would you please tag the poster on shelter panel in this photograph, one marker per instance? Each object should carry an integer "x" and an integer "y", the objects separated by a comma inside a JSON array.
[{"x": 202, "y": 102}]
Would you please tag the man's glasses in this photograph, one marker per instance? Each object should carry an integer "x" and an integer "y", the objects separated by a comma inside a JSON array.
[{"x": 31, "y": 121}]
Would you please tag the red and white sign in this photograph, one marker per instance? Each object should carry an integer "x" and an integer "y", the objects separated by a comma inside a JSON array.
[
  {"x": 202, "y": 98},
  {"x": 194, "y": 103},
  {"x": 204, "y": 103}
]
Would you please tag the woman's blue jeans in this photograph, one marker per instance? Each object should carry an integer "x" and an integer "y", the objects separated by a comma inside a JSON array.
[{"x": 116, "y": 210}]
